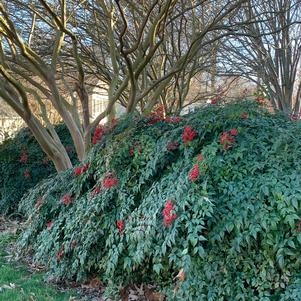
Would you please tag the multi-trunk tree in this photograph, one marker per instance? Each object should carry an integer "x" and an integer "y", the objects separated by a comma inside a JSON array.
[
  {"x": 146, "y": 53},
  {"x": 267, "y": 50}
]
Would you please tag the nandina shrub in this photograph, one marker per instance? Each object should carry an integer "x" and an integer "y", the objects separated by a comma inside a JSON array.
[
  {"x": 23, "y": 164},
  {"x": 200, "y": 220}
]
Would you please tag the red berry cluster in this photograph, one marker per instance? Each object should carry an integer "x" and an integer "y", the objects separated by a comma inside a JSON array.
[
  {"x": 60, "y": 254},
  {"x": 227, "y": 139},
  {"x": 80, "y": 170},
  {"x": 194, "y": 173},
  {"x": 189, "y": 134},
  {"x": 120, "y": 226},
  {"x": 24, "y": 158},
  {"x": 26, "y": 174},
  {"x": 109, "y": 181},
  {"x": 66, "y": 199},
  {"x": 49, "y": 225},
  {"x": 215, "y": 100},
  {"x": 156, "y": 116},
  {"x": 168, "y": 214},
  {"x": 200, "y": 157},
  {"x": 99, "y": 133}
]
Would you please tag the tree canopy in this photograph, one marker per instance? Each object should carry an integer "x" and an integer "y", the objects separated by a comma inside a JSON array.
[{"x": 53, "y": 52}]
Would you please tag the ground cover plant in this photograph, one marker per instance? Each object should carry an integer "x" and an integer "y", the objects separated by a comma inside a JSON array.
[
  {"x": 204, "y": 206},
  {"x": 23, "y": 164}
]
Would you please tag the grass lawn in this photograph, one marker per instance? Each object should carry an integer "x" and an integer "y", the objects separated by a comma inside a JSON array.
[{"x": 18, "y": 284}]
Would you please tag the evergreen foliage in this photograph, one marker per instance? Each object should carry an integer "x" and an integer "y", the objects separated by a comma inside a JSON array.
[{"x": 153, "y": 201}]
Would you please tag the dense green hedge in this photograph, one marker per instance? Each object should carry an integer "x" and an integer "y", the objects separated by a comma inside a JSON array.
[
  {"x": 214, "y": 218},
  {"x": 23, "y": 164}
]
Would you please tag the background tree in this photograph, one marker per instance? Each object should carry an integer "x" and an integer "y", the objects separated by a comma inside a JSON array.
[
  {"x": 49, "y": 50},
  {"x": 268, "y": 51},
  {"x": 155, "y": 49},
  {"x": 28, "y": 69}
]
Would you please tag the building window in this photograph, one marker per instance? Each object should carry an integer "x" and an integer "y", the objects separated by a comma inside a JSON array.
[{"x": 97, "y": 106}]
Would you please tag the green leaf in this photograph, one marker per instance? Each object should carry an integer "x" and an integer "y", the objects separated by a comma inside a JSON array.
[
  {"x": 157, "y": 268},
  {"x": 291, "y": 244},
  {"x": 185, "y": 251}
]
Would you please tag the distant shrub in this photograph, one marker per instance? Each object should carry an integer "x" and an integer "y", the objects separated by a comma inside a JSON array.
[
  {"x": 207, "y": 207},
  {"x": 23, "y": 164}
]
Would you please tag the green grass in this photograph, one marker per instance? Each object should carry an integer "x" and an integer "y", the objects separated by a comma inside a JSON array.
[{"x": 18, "y": 284}]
